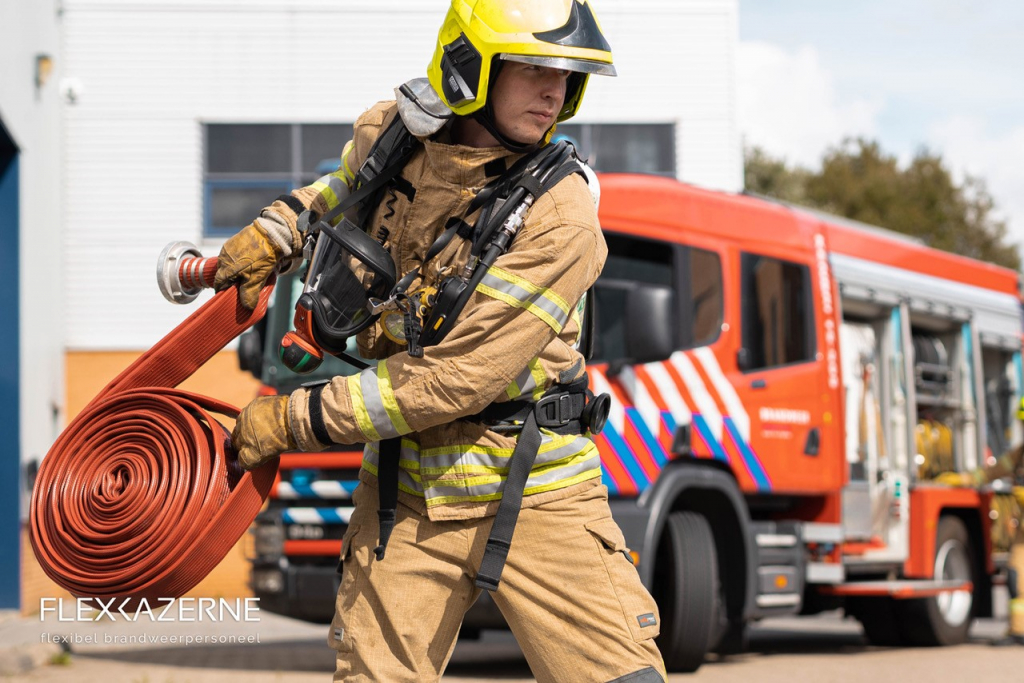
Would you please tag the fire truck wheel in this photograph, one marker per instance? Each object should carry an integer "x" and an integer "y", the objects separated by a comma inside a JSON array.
[
  {"x": 733, "y": 638},
  {"x": 880, "y": 619},
  {"x": 946, "y": 618},
  {"x": 686, "y": 588}
]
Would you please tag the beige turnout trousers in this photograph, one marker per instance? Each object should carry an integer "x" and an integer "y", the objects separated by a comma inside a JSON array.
[{"x": 569, "y": 593}]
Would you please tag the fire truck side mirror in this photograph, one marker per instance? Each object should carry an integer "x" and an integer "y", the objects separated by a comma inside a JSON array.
[{"x": 650, "y": 323}]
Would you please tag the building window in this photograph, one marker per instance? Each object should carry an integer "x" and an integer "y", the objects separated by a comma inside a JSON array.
[
  {"x": 695, "y": 275},
  {"x": 778, "y": 323},
  {"x": 625, "y": 147},
  {"x": 247, "y": 166}
]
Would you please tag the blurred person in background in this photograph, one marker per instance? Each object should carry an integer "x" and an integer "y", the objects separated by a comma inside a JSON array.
[{"x": 1010, "y": 465}]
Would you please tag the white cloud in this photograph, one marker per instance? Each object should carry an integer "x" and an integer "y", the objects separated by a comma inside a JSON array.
[
  {"x": 787, "y": 104},
  {"x": 967, "y": 146}
]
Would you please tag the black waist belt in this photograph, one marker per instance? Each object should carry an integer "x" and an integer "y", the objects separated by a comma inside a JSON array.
[{"x": 559, "y": 410}]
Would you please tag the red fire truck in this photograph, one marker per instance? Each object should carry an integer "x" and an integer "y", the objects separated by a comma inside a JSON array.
[{"x": 785, "y": 386}]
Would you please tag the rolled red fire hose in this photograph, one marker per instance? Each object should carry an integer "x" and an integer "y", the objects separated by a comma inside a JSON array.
[{"x": 141, "y": 496}]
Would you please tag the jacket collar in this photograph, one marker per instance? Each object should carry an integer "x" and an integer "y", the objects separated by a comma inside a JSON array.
[{"x": 463, "y": 165}]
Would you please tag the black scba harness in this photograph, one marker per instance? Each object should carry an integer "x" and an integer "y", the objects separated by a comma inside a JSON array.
[
  {"x": 350, "y": 280},
  {"x": 563, "y": 409}
]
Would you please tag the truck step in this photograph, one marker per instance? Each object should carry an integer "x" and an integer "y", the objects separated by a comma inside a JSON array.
[
  {"x": 776, "y": 540},
  {"x": 900, "y": 589},
  {"x": 778, "y": 600}
]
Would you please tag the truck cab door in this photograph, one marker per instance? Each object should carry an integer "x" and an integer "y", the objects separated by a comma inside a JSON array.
[{"x": 782, "y": 373}]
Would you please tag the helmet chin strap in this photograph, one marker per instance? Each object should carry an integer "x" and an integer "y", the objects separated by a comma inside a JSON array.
[{"x": 485, "y": 117}]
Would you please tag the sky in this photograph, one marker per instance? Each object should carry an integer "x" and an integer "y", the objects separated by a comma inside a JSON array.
[{"x": 943, "y": 74}]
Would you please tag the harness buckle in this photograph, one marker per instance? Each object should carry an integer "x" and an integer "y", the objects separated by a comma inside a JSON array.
[
  {"x": 554, "y": 411},
  {"x": 378, "y": 306}
]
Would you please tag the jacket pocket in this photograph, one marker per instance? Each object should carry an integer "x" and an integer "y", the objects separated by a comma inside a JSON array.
[{"x": 638, "y": 607}]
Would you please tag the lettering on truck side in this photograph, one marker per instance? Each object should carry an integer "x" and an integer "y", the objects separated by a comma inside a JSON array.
[
  {"x": 825, "y": 284},
  {"x": 785, "y": 416}
]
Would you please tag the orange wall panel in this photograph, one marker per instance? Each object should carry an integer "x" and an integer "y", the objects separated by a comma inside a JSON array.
[{"x": 86, "y": 372}]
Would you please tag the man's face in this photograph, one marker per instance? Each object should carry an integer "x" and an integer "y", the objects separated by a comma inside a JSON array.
[{"x": 526, "y": 99}]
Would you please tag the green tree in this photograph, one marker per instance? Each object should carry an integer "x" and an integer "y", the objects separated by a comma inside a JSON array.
[
  {"x": 772, "y": 177},
  {"x": 859, "y": 180}
]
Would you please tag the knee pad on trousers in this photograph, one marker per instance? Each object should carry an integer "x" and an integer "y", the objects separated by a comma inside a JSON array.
[{"x": 648, "y": 675}]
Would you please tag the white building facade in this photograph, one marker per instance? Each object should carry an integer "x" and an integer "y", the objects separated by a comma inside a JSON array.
[
  {"x": 151, "y": 85},
  {"x": 170, "y": 120}
]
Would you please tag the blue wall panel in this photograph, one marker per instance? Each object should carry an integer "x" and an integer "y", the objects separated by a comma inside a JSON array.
[{"x": 10, "y": 435}]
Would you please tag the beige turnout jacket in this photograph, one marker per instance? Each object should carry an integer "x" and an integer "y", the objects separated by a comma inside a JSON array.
[{"x": 516, "y": 337}]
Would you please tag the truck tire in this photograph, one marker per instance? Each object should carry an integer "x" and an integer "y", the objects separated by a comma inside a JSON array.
[
  {"x": 733, "y": 636},
  {"x": 880, "y": 618},
  {"x": 944, "y": 619},
  {"x": 686, "y": 588}
]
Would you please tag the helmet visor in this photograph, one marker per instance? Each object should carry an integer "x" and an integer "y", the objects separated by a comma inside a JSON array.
[{"x": 569, "y": 64}]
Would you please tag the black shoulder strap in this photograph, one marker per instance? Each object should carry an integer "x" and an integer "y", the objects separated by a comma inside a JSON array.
[
  {"x": 388, "y": 156},
  {"x": 537, "y": 173},
  {"x": 588, "y": 325}
]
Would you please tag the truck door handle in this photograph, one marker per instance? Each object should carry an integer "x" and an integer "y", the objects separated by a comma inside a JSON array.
[
  {"x": 813, "y": 444},
  {"x": 759, "y": 384}
]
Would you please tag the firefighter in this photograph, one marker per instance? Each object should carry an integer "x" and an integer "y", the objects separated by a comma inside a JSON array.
[
  {"x": 504, "y": 72},
  {"x": 1009, "y": 465}
]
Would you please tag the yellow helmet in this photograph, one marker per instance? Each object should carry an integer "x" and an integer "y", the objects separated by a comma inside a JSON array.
[{"x": 561, "y": 34}]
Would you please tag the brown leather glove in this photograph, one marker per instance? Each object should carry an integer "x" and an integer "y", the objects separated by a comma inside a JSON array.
[
  {"x": 262, "y": 432},
  {"x": 248, "y": 257}
]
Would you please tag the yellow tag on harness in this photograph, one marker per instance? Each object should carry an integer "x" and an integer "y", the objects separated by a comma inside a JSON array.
[
  {"x": 393, "y": 325},
  {"x": 393, "y": 322}
]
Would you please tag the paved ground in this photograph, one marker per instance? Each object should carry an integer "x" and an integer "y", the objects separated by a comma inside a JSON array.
[{"x": 824, "y": 648}]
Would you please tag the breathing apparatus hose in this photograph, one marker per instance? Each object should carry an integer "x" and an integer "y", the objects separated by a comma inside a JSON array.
[
  {"x": 141, "y": 496},
  {"x": 519, "y": 201}
]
